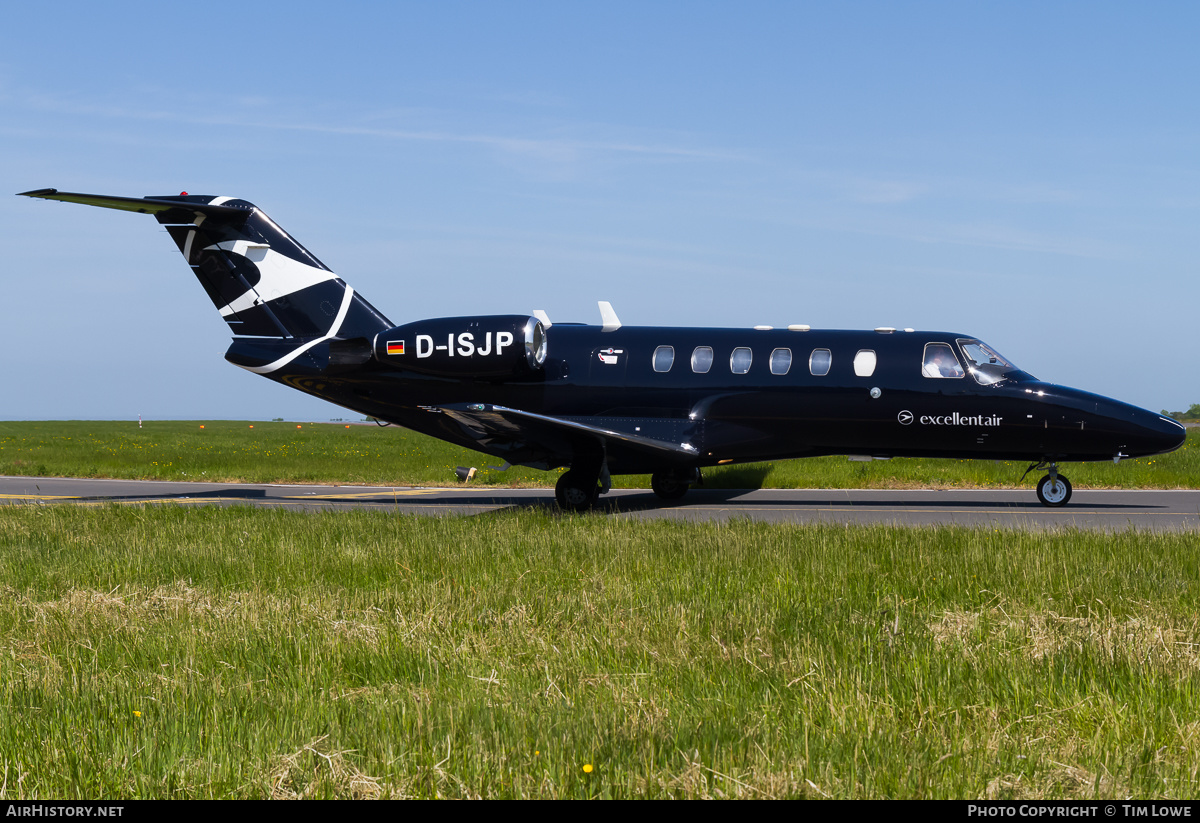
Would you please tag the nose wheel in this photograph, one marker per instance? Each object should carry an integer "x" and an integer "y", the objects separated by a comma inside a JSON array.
[{"x": 1054, "y": 490}]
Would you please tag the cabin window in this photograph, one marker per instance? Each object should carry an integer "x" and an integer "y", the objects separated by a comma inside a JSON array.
[
  {"x": 739, "y": 361},
  {"x": 781, "y": 361},
  {"x": 819, "y": 362},
  {"x": 702, "y": 359},
  {"x": 864, "y": 363},
  {"x": 664, "y": 358},
  {"x": 939, "y": 361}
]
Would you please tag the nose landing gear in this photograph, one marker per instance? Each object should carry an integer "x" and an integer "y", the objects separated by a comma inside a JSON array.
[{"x": 1054, "y": 489}]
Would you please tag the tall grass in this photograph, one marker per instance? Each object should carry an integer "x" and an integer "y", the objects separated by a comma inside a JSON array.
[
  {"x": 176, "y": 652},
  {"x": 228, "y": 451}
]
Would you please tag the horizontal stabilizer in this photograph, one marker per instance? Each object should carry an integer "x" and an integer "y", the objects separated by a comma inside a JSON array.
[{"x": 142, "y": 205}]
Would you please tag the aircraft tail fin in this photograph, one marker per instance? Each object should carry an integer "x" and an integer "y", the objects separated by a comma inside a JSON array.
[{"x": 262, "y": 281}]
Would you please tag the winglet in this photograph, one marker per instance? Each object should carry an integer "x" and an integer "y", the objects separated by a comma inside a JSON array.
[
  {"x": 545, "y": 318},
  {"x": 611, "y": 321}
]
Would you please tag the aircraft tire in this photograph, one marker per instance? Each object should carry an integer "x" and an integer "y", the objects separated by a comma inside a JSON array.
[
  {"x": 668, "y": 486},
  {"x": 573, "y": 495},
  {"x": 1054, "y": 496}
]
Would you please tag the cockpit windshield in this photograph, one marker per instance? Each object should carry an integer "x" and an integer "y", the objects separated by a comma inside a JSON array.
[{"x": 986, "y": 364}]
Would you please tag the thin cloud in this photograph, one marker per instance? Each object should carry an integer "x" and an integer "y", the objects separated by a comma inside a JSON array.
[
  {"x": 986, "y": 235},
  {"x": 550, "y": 149},
  {"x": 882, "y": 191}
]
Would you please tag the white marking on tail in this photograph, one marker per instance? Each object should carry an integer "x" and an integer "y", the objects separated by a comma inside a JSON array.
[
  {"x": 292, "y": 355},
  {"x": 279, "y": 275}
]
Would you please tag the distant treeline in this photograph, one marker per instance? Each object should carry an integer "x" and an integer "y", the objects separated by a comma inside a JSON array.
[{"x": 1192, "y": 415}]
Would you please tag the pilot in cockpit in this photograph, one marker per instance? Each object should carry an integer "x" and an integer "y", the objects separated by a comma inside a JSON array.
[{"x": 941, "y": 362}]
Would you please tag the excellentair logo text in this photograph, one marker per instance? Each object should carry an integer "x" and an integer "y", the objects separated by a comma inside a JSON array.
[{"x": 957, "y": 419}]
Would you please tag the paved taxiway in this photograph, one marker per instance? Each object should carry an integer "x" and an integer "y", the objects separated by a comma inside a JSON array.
[{"x": 1107, "y": 510}]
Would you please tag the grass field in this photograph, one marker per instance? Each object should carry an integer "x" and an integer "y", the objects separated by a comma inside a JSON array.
[
  {"x": 333, "y": 453},
  {"x": 178, "y": 652},
  {"x": 162, "y": 652}
]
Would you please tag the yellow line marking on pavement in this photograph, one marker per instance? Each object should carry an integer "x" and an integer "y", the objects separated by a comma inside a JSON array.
[
  {"x": 39, "y": 497},
  {"x": 801, "y": 507},
  {"x": 357, "y": 495},
  {"x": 386, "y": 504}
]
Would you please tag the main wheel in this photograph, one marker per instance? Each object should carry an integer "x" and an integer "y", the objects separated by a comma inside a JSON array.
[
  {"x": 668, "y": 485},
  {"x": 575, "y": 493},
  {"x": 1054, "y": 493}
]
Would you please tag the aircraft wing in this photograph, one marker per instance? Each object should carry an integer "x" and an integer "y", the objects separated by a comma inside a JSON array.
[{"x": 561, "y": 436}]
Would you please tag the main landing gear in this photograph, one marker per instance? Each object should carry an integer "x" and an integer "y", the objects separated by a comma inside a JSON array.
[
  {"x": 580, "y": 486},
  {"x": 672, "y": 485},
  {"x": 578, "y": 489},
  {"x": 1054, "y": 489}
]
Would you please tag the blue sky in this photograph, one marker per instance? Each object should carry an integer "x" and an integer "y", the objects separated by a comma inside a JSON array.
[{"x": 1028, "y": 173}]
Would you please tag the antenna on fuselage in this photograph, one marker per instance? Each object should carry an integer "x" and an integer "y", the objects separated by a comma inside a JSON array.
[{"x": 608, "y": 316}]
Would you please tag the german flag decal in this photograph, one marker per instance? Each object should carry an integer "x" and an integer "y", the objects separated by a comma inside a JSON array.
[{"x": 395, "y": 347}]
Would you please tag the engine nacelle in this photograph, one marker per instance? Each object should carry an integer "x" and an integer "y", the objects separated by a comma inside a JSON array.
[{"x": 497, "y": 346}]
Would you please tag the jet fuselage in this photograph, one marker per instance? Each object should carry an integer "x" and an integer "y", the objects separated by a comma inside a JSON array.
[
  {"x": 755, "y": 413},
  {"x": 613, "y": 399}
]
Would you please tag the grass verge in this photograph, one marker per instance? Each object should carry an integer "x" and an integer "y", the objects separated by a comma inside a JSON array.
[
  {"x": 230, "y": 451},
  {"x": 178, "y": 652}
]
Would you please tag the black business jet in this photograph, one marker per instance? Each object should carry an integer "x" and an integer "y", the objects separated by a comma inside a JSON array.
[{"x": 610, "y": 399}]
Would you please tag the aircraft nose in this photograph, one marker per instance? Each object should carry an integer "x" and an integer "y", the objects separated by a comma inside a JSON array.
[
  {"x": 1170, "y": 433},
  {"x": 1155, "y": 434}
]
